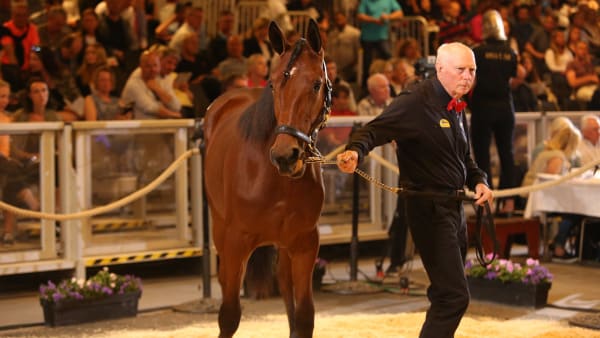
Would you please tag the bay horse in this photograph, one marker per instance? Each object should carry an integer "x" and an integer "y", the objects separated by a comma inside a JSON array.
[{"x": 260, "y": 188}]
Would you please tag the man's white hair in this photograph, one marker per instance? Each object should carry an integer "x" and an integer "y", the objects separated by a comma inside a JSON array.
[{"x": 586, "y": 120}]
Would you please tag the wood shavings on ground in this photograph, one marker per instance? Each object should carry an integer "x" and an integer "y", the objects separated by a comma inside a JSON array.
[{"x": 368, "y": 326}]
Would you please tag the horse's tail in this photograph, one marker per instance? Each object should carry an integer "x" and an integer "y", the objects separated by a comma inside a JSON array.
[{"x": 260, "y": 279}]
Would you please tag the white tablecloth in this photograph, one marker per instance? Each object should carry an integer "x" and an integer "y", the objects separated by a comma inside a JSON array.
[{"x": 577, "y": 196}]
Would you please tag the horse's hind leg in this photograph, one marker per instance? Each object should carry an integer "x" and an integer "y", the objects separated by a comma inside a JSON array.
[
  {"x": 303, "y": 256},
  {"x": 231, "y": 270},
  {"x": 286, "y": 288}
]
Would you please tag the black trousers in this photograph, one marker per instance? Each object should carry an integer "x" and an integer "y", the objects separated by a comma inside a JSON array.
[
  {"x": 398, "y": 233},
  {"x": 373, "y": 50},
  {"x": 439, "y": 231},
  {"x": 502, "y": 126}
]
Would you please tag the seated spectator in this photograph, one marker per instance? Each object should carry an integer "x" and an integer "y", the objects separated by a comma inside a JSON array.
[
  {"x": 581, "y": 74},
  {"x": 94, "y": 59},
  {"x": 555, "y": 159},
  {"x": 314, "y": 11},
  {"x": 589, "y": 148},
  {"x": 193, "y": 24},
  {"x": 14, "y": 185},
  {"x": 101, "y": 104},
  {"x": 217, "y": 46},
  {"x": 453, "y": 27},
  {"x": 398, "y": 77},
  {"x": 573, "y": 37},
  {"x": 408, "y": 50},
  {"x": 378, "y": 98},
  {"x": 170, "y": 24},
  {"x": 539, "y": 42},
  {"x": 178, "y": 81},
  {"x": 203, "y": 85},
  {"x": 69, "y": 50},
  {"x": 259, "y": 43},
  {"x": 235, "y": 63},
  {"x": 55, "y": 29},
  {"x": 557, "y": 124},
  {"x": 64, "y": 93},
  {"x": 150, "y": 97},
  {"x": 528, "y": 89},
  {"x": 89, "y": 27},
  {"x": 235, "y": 81},
  {"x": 557, "y": 58},
  {"x": 257, "y": 71}
]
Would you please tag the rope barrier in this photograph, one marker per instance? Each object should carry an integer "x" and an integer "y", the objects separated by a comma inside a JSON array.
[{"x": 114, "y": 205}]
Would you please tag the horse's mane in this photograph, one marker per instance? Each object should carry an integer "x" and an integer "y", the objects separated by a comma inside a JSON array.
[{"x": 258, "y": 120}]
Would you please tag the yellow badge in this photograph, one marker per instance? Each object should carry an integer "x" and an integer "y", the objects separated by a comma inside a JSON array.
[{"x": 444, "y": 123}]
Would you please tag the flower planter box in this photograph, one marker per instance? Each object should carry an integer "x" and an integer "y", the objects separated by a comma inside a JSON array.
[
  {"x": 518, "y": 294},
  {"x": 72, "y": 311}
]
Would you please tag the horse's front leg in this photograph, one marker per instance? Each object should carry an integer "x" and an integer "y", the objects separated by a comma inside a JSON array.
[
  {"x": 286, "y": 288},
  {"x": 303, "y": 261},
  {"x": 231, "y": 270}
]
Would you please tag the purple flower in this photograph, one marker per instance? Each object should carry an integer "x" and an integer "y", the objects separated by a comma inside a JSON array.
[
  {"x": 57, "y": 296},
  {"x": 491, "y": 275}
]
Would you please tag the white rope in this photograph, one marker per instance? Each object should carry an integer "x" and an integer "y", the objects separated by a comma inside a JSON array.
[{"x": 114, "y": 205}]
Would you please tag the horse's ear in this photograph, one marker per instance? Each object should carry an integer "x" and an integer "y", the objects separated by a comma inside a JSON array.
[
  {"x": 313, "y": 36},
  {"x": 276, "y": 37}
]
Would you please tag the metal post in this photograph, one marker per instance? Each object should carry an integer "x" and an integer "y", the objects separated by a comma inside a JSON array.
[
  {"x": 354, "y": 239},
  {"x": 206, "y": 254}
]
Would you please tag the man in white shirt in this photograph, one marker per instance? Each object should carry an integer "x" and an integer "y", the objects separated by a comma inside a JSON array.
[
  {"x": 151, "y": 97},
  {"x": 589, "y": 147},
  {"x": 343, "y": 46},
  {"x": 193, "y": 23}
]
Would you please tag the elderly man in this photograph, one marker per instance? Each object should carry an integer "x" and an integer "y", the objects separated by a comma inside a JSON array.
[
  {"x": 429, "y": 127},
  {"x": 379, "y": 96},
  {"x": 589, "y": 147},
  {"x": 151, "y": 97}
]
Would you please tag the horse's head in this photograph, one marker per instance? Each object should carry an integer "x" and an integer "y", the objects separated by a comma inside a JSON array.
[{"x": 301, "y": 98}]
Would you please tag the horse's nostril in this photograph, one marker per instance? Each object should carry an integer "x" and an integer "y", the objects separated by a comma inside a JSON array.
[{"x": 295, "y": 155}]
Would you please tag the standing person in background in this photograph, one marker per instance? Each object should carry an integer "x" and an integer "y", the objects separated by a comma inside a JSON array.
[
  {"x": 343, "y": 46},
  {"x": 492, "y": 111},
  {"x": 589, "y": 147},
  {"x": 435, "y": 160},
  {"x": 374, "y": 18}
]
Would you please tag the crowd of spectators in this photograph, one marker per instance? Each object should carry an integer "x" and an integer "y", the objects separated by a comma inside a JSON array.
[{"x": 115, "y": 59}]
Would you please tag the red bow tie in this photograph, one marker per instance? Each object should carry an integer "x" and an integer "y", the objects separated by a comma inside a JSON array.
[{"x": 457, "y": 105}]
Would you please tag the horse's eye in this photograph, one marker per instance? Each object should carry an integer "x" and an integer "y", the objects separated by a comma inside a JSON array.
[{"x": 317, "y": 86}]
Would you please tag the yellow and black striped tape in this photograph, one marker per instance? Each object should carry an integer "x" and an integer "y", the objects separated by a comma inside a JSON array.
[
  {"x": 101, "y": 226},
  {"x": 142, "y": 257},
  {"x": 114, "y": 225}
]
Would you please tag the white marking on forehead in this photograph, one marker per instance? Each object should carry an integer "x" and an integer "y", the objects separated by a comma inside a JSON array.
[{"x": 293, "y": 70}]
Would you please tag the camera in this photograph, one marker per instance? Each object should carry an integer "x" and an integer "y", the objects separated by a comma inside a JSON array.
[{"x": 425, "y": 67}]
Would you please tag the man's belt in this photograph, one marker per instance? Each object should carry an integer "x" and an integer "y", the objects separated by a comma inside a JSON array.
[{"x": 483, "y": 215}]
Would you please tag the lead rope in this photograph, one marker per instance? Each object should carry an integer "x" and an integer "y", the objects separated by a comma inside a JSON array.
[{"x": 480, "y": 211}]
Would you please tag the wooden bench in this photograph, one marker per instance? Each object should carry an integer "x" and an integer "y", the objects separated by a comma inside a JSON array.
[{"x": 506, "y": 227}]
